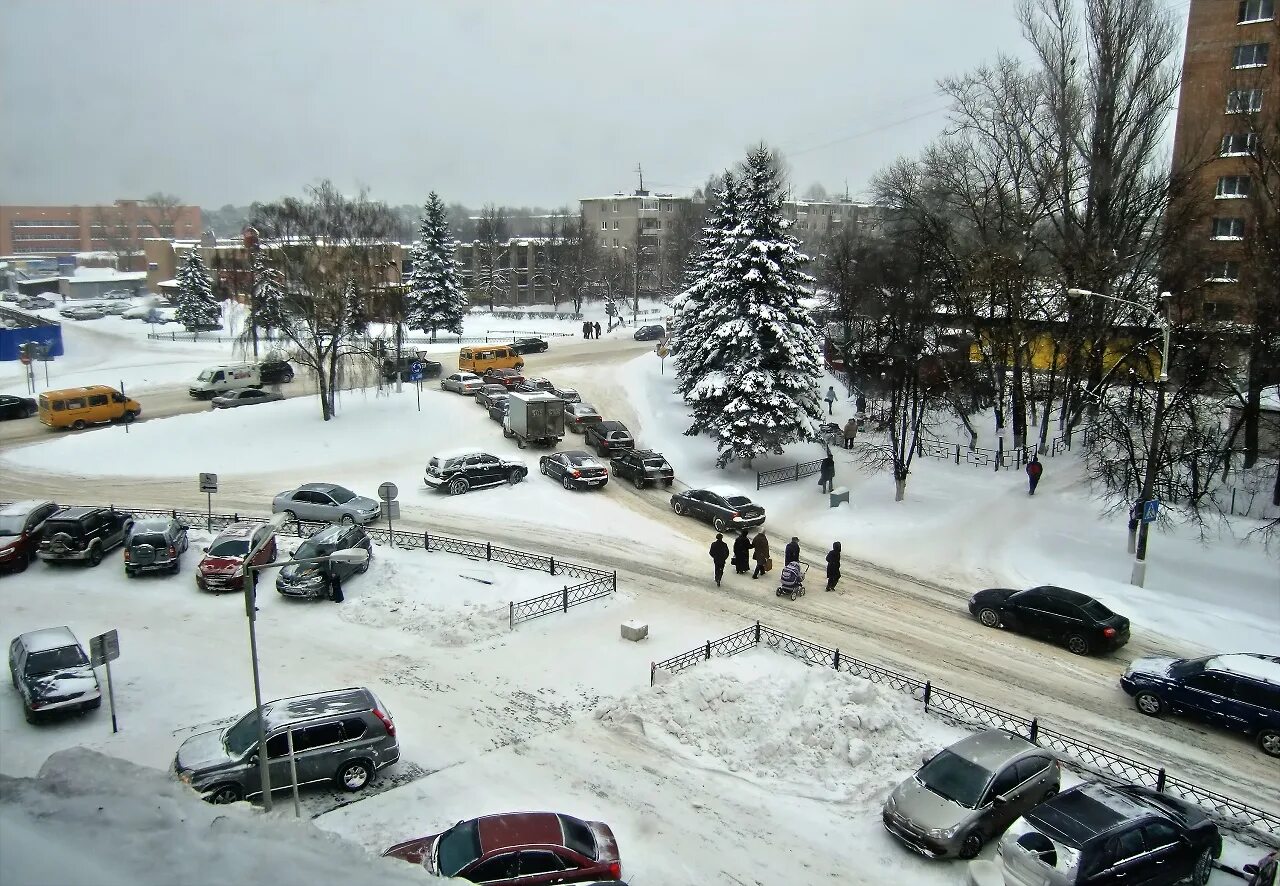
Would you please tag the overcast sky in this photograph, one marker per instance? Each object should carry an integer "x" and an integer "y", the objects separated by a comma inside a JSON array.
[{"x": 531, "y": 102}]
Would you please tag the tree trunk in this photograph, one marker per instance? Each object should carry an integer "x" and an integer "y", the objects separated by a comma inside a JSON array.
[
  {"x": 1018, "y": 402},
  {"x": 899, "y": 489},
  {"x": 1252, "y": 413}
]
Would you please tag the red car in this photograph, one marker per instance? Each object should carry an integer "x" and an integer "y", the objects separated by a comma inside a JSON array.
[
  {"x": 508, "y": 378},
  {"x": 516, "y": 848},
  {"x": 21, "y": 524},
  {"x": 222, "y": 568}
]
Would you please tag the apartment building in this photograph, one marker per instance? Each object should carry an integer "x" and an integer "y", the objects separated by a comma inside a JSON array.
[
  {"x": 119, "y": 228},
  {"x": 519, "y": 275},
  {"x": 1230, "y": 90}
]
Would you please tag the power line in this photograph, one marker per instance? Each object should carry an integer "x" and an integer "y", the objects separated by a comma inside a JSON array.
[{"x": 865, "y": 132}]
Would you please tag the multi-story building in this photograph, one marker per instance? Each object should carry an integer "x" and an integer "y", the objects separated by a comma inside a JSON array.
[
  {"x": 118, "y": 229},
  {"x": 519, "y": 274},
  {"x": 1230, "y": 91}
]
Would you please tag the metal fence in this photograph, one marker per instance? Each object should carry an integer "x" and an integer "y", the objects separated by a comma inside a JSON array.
[
  {"x": 797, "y": 471},
  {"x": 599, "y": 582},
  {"x": 970, "y": 712},
  {"x": 495, "y": 336}
]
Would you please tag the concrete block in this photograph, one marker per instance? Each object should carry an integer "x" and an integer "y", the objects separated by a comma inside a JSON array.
[
  {"x": 838, "y": 495},
  {"x": 634, "y": 630}
]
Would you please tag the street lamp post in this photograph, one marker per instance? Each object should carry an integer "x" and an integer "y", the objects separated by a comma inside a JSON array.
[{"x": 1138, "y": 576}]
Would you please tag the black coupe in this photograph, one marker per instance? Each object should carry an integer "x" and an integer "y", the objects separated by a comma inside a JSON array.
[
  {"x": 1080, "y": 623},
  {"x": 724, "y": 509}
]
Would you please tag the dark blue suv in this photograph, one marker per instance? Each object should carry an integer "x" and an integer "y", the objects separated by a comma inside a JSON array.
[{"x": 1240, "y": 692}]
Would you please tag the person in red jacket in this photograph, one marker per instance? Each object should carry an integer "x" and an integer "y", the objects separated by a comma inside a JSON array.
[{"x": 1034, "y": 470}]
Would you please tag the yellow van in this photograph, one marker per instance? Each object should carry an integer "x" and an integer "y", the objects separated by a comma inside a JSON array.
[
  {"x": 481, "y": 357},
  {"x": 81, "y": 407}
]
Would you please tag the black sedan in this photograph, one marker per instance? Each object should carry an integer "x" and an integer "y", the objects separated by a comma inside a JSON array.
[
  {"x": 529, "y": 345},
  {"x": 16, "y": 407},
  {"x": 498, "y": 409},
  {"x": 491, "y": 393},
  {"x": 575, "y": 469},
  {"x": 1058, "y": 615},
  {"x": 649, "y": 333},
  {"x": 724, "y": 509}
]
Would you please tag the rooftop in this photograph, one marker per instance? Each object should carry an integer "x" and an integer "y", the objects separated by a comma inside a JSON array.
[{"x": 49, "y": 638}]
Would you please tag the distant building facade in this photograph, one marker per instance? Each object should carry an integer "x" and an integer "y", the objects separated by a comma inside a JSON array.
[
  {"x": 520, "y": 273},
  {"x": 118, "y": 229}
]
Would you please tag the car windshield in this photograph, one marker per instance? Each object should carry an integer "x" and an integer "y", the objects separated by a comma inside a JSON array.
[
  {"x": 11, "y": 524},
  {"x": 578, "y": 837},
  {"x": 581, "y": 460},
  {"x": 242, "y": 735},
  {"x": 952, "y": 776},
  {"x": 1096, "y": 610},
  {"x": 310, "y": 548},
  {"x": 738, "y": 501},
  {"x": 51, "y": 660},
  {"x": 229, "y": 547},
  {"x": 458, "y": 847},
  {"x": 340, "y": 495},
  {"x": 205, "y": 376},
  {"x": 654, "y": 463}
]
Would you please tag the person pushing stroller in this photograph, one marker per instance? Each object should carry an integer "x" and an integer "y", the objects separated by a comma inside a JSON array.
[{"x": 791, "y": 579}]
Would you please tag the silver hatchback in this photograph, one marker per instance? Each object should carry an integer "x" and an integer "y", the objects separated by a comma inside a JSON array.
[{"x": 970, "y": 793}]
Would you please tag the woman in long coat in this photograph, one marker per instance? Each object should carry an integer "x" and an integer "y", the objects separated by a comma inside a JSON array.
[
  {"x": 760, "y": 544},
  {"x": 741, "y": 553}
]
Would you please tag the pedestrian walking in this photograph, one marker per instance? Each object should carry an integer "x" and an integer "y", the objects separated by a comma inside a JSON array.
[
  {"x": 741, "y": 553},
  {"x": 1034, "y": 470},
  {"x": 833, "y": 566},
  {"x": 791, "y": 553},
  {"x": 335, "y": 585},
  {"x": 827, "y": 472},
  {"x": 760, "y": 546},
  {"x": 850, "y": 432},
  {"x": 719, "y": 554},
  {"x": 831, "y": 399},
  {"x": 586, "y": 329},
  {"x": 597, "y": 329},
  {"x": 861, "y": 404}
]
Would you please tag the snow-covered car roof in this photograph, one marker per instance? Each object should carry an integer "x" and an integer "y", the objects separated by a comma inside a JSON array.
[
  {"x": 1259, "y": 667},
  {"x": 451, "y": 454},
  {"x": 727, "y": 492}
]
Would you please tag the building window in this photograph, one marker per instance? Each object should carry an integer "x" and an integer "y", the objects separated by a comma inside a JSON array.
[
  {"x": 1224, "y": 272},
  {"x": 615, "y": 242},
  {"x": 1239, "y": 144},
  {"x": 615, "y": 224},
  {"x": 1244, "y": 101},
  {"x": 604, "y": 225},
  {"x": 1250, "y": 55},
  {"x": 1228, "y": 229},
  {"x": 1256, "y": 11},
  {"x": 615, "y": 205},
  {"x": 1232, "y": 187}
]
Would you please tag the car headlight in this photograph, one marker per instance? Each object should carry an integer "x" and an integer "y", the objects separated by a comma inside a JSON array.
[
  {"x": 185, "y": 776},
  {"x": 890, "y": 805},
  {"x": 942, "y": 833}
]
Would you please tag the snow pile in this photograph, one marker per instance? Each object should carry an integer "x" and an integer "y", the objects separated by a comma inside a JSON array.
[
  {"x": 89, "y": 818},
  {"x": 810, "y": 732}
]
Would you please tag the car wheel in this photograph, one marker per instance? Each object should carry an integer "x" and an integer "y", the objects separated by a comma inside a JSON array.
[
  {"x": 677, "y": 506},
  {"x": 176, "y": 567},
  {"x": 517, "y": 475},
  {"x": 972, "y": 845},
  {"x": 542, "y": 466},
  {"x": 290, "y": 516},
  {"x": 567, "y": 483},
  {"x": 989, "y": 617},
  {"x": 520, "y": 442},
  {"x": 20, "y": 565},
  {"x": 288, "y": 377},
  {"x": 354, "y": 776},
  {"x": 364, "y": 567},
  {"x": 1204, "y": 867},
  {"x": 129, "y": 415},
  {"x": 667, "y": 483},
  {"x": 129, "y": 573},
  {"x": 95, "y": 555},
  {"x": 348, "y": 520},
  {"x": 1148, "y": 703},
  {"x": 223, "y": 794},
  {"x": 721, "y": 525},
  {"x": 1269, "y": 742},
  {"x": 639, "y": 481},
  {"x": 78, "y": 425},
  {"x": 1077, "y": 645},
  {"x": 458, "y": 486},
  {"x": 32, "y": 410}
]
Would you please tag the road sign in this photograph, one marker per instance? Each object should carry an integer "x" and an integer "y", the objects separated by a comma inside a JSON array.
[
  {"x": 661, "y": 350},
  {"x": 1150, "y": 509},
  {"x": 415, "y": 371},
  {"x": 388, "y": 491},
  {"x": 390, "y": 510},
  {"x": 104, "y": 648},
  {"x": 208, "y": 482}
]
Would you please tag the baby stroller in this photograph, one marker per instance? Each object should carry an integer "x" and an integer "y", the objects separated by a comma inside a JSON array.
[
  {"x": 791, "y": 579},
  {"x": 830, "y": 433}
]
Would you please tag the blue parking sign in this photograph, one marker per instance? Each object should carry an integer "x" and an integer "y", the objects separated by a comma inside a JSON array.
[
  {"x": 1149, "y": 510},
  {"x": 415, "y": 371}
]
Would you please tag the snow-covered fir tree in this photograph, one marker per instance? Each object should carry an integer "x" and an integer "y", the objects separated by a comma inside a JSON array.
[
  {"x": 751, "y": 368},
  {"x": 435, "y": 299},
  {"x": 197, "y": 308},
  {"x": 268, "y": 311}
]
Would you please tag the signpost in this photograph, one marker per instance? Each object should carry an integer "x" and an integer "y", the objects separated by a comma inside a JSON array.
[
  {"x": 415, "y": 375},
  {"x": 662, "y": 352},
  {"x": 1150, "y": 510},
  {"x": 104, "y": 649},
  {"x": 209, "y": 485},
  {"x": 390, "y": 507}
]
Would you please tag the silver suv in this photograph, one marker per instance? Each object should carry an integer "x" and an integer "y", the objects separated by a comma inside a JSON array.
[
  {"x": 344, "y": 736},
  {"x": 155, "y": 544},
  {"x": 969, "y": 793}
]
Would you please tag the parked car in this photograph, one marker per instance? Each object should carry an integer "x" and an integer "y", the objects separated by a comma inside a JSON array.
[
  {"x": 275, "y": 372},
  {"x": 430, "y": 368},
  {"x": 490, "y": 392},
  {"x": 461, "y": 383},
  {"x": 222, "y": 567},
  {"x": 1238, "y": 691},
  {"x": 970, "y": 793},
  {"x": 342, "y": 736},
  {"x": 115, "y": 308},
  {"x": 529, "y": 345},
  {"x": 579, "y": 416},
  {"x": 17, "y": 407},
  {"x": 21, "y": 528},
  {"x": 462, "y": 471},
  {"x": 312, "y": 579},
  {"x": 498, "y": 410},
  {"x": 518, "y": 847},
  {"x": 245, "y": 397},
  {"x": 1098, "y": 835},
  {"x": 568, "y": 395},
  {"x": 725, "y": 509},
  {"x": 118, "y": 294},
  {"x": 574, "y": 469},
  {"x": 325, "y": 503},
  {"x": 643, "y": 467},
  {"x": 1059, "y": 615},
  {"x": 83, "y": 313},
  {"x": 649, "y": 333},
  {"x": 84, "y": 534},
  {"x": 608, "y": 437},
  {"x": 52, "y": 674},
  {"x": 508, "y": 378},
  {"x": 139, "y": 312},
  {"x": 35, "y": 303},
  {"x": 155, "y": 544},
  {"x": 532, "y": 385}
]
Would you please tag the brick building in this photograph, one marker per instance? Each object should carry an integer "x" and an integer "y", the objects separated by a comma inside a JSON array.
[
  {"x": 1230, "y": 91},
  {"x": 118, "y": 229}
]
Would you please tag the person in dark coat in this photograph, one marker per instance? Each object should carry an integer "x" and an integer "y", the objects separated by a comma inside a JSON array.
[
  {"x": 861, "y": 405},
  {"x": 719, "y": 554},
  {"x": 850, "y": 432},
  {"x": 335, "y": 585},
  {"x": 597, "y": 329},
  {"x": 741, "y": 553},
  {"x": 760, "y": 545},
  {"x": 827, "y": 472},
  {"x": 833, "y": 566},
  {"x": 586, "y": 329},
  {"x": 1034, "y": 470},
  {"x": 791, "y": 553}
]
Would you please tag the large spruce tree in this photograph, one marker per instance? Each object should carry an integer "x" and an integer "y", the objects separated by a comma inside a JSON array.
[
  {"x": 436, "y": 299},
  {"x": 197, "y": 308}
]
